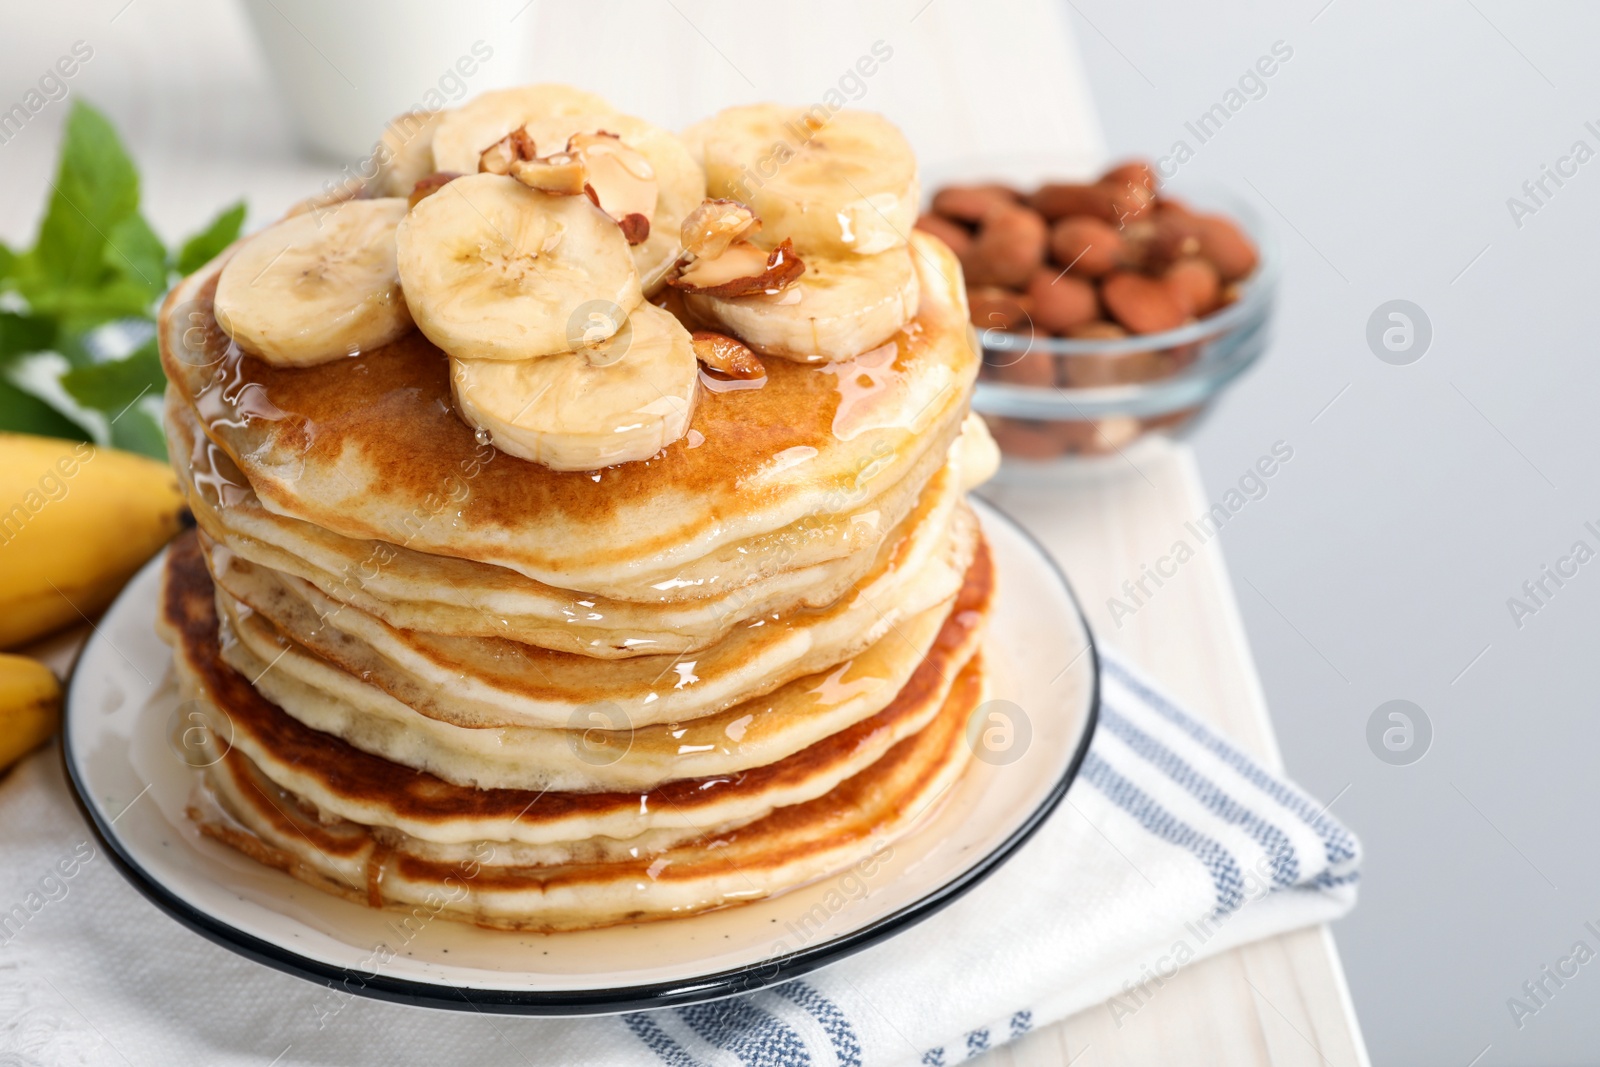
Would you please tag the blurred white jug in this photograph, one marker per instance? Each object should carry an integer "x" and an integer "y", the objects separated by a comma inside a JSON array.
[{"x": 346, "y": 68}]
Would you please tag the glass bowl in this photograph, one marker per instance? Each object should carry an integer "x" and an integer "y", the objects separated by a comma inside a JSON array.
[{"x": 1109, "y": 393}]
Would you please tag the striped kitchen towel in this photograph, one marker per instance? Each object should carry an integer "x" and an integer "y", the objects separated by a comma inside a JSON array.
[{"x": 1172, "y": 846}]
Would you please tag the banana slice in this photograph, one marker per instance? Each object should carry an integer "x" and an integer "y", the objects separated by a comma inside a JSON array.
[
  {"x": 978, "y": 454},
  {"x": 495, "y": 270},
  {"x": 405, "y": 152},
  {"x": 839, "y": 308},
  {"x": 464, "y": 133},
  {"x": 620, "y": 400},
  {"x": 317, "y": 286},
  {"x": 836, "y": 186},
  {"x": 680, "y": 184}
]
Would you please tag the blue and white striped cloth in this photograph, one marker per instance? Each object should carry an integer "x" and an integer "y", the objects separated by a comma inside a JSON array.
[{"x": 1171, "y": 846}]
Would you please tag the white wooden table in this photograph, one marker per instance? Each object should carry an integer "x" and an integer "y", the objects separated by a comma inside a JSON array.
[{"x": 1282, "y": 1001}]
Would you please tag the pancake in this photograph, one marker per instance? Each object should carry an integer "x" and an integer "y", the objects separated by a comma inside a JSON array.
[
  {"x": 855, "y": 820},
  {"x": 768, "y": 479},
  {"x": 920, "y": 656},
  {"x": 442, "y": 679},
  {"x": 440, "y": 594},
  {"x": 817, "y": 543},
  {"x": 493, "y": 682},
  {"x": 341, "y": 781}
]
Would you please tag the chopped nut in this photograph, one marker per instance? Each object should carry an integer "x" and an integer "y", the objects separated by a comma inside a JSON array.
[
  {"x": 742, "y": 270},
  {"x": 635, "y": 227},
  {"x": 560, "y": 175},
  {"x": 726, "y": 354},
  {"x": 710, "y": 228},
  {"x": 426, "y": 187},
  {"x": 618, "y": 178},
  {"x": 739, "y": 260},
  {"x": 621, "y": 180},
  {"x": 515, "y": 147}
]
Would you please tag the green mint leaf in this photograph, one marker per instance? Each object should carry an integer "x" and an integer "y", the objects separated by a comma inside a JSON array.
[
  {"x": 136, "y": 430},
  {"x": 95, "y": 188},
  {"x": 203, "y": 247},
  {"x": 39, "y": 376},
  {"x": 111, "y": 387},
  {"x": 136, "y": 254},
  {"x": 22, "y": 412},
  {"x": 80, "y": 310},
  {"x": 21, "y": 334},
  {"x": 97, "y": 260}
]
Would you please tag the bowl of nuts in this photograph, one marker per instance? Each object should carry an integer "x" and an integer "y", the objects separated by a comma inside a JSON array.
[{"x": 1106, "y": 310}]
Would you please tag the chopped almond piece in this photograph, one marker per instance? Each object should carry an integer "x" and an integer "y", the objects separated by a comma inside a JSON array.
[
  {"x": 726, "y": 355},
  {"x": 621, "y": 180},
  {"x": 561, "y": 175},
  {"x": 710, "y": 228},
  {"x": 617, "y": 177},
  {"x": 515, "y": 147},
  {"x": 426, "y": 187},
  {"x": 635, "y": 227},
  {"x": 742, "y": 270}
]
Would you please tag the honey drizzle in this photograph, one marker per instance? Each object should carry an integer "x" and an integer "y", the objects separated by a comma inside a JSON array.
[{"x": 377, "y": 863}]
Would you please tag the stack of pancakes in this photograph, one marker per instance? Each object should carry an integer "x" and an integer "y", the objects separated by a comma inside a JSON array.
[{"x": 439, "y": 676}]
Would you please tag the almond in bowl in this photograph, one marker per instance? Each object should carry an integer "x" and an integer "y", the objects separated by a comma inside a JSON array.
[{"x": 1106, "y": 309}]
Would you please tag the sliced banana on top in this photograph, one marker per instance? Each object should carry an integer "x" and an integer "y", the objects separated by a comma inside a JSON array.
[
  {"x": 616, "y": 401},
  {"x": 317, "y": 286},
  {"x": 405, "y": 152},
  {"x": 495, "y": 270},
  {"x": 839, "y": 308},
  {"x": 838, "y": 185},
  {"x": 680, "y": 184},
  {"x": 464, "y": 133}
]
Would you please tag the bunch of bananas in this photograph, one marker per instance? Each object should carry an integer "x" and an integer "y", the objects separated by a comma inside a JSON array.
[{"x": 76, "y": 522}]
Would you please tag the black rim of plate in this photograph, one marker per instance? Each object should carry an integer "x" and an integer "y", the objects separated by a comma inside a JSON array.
[{"x": 738, "y": 980}]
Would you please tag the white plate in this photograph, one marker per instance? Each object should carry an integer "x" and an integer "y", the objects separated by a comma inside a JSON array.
[{"x": 124, "y": 756}]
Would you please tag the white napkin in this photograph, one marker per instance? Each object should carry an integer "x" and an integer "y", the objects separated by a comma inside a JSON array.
[{"x": 1171, "y": 846}]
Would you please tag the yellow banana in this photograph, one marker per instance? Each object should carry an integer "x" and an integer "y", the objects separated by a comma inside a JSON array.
[
  {"x": 30, "y": 706},
  {"x": 76, "y": 521}
]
